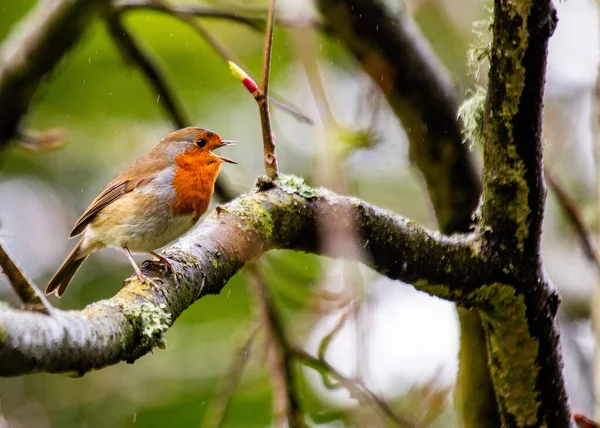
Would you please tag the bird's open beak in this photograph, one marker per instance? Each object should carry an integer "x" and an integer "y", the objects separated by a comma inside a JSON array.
[{"x": 226, "y": 143}]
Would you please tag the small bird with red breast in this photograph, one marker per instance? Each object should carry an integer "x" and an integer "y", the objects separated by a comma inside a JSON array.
[{"x": 151, "y": 203}]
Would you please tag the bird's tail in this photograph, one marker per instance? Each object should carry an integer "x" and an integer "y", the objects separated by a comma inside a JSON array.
[{"x": 61, "y": 279}]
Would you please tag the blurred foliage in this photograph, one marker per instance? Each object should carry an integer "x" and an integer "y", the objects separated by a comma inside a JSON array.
[{"x": 110, "y": 116}]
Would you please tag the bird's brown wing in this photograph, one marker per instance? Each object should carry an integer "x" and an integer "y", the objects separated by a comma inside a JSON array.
[
  {"x": 138, "y": 174},
  {"x": 108, "y": 195}
]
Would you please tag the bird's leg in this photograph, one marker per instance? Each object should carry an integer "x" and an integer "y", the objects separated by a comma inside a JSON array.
[
  {"x": 168, "y": 265},
  {"x": 137, "y": 270}
]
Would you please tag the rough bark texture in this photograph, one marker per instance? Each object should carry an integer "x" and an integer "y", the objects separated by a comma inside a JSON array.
[{"x": 32, "y": 52}]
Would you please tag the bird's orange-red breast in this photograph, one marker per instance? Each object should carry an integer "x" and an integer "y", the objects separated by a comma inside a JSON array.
[{"x": 152, "y": 202}]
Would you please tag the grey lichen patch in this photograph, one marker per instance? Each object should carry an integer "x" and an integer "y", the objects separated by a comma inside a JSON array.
[
  {"x": 480, "y": 50},
  {"x": 471, "y": 112},
  {"x": 152, "y": 321},
  {"x": 513, "y": 352},
  {"x": 296, "y": 185}
]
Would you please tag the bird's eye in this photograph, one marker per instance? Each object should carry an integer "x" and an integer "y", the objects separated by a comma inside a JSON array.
[{"x": 201, "y": 142}]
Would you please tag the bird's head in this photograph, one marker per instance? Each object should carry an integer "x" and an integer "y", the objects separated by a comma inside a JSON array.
[{"x": 197, "y": 143}]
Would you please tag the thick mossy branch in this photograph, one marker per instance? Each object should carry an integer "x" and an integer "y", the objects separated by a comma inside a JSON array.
[
  {"x": 34, "y": 49},
  {"x": 287, "y": 216},
  {"x": 512, "y": 212},
  {"x": 513, "y": 352},
  {"x": 514, "y": 191}
]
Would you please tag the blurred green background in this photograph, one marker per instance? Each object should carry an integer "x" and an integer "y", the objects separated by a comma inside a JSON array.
[{"x": 110, "y": 116}]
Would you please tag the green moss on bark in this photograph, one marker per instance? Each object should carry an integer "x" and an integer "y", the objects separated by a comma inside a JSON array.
[
  {"x": 504, "y": 169},
  {"x": 256, "y": 215},
  {"x": 513, "y": 350}
]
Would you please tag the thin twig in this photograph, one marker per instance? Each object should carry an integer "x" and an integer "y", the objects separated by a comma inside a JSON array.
[
  {"x": 356, "y": 388},
  {"x": 29, "y": 295},
  {"x": 219, "y": 405},
  {"x": 268, "y": 49},
  {"x": 263, "y": 104},
  {"x": 326, "y": 341},
  {"x": 573, "y": 213},
  {"x": 287, "y": 409},
  {"x": 133, "y": 52},
  {"x": 324, "y": 345}
]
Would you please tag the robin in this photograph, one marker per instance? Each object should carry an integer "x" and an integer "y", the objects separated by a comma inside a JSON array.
[{"x": 152, "y": 202}]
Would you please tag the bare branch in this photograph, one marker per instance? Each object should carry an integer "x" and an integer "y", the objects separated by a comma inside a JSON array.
[
  {"x": 30, "y": 296},
  {"x": 263, "y": 104},
  {"x": 514, "y": 199},
  {"x": 391, "y": 50}
]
